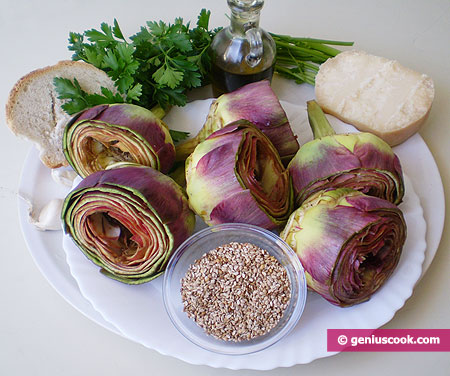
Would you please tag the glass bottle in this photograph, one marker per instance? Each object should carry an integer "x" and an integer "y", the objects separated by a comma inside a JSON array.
[{"x": 243, "y": 52}]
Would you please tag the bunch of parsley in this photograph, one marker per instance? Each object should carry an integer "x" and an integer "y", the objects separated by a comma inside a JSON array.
[{"x": 154, "y": 68}]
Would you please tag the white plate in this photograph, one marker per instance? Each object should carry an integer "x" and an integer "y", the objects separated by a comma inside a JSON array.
[
  {"x": 36, "y": 183},
  {"x": 138, "y": 312}
]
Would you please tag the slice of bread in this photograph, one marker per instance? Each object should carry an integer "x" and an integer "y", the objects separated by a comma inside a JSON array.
[
  {"x": 374, "y": 94},
  {"x": 34, "y": 112}
]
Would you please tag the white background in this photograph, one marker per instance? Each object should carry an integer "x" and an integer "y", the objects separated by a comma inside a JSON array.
[{"x": 41, "y": 334}]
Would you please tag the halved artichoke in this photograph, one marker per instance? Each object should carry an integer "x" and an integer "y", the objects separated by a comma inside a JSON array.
[
  {"x": 107, "y": 134},
  {"x": 128, "y": 221},
  {"x": 360, "y": 161},
  {"x": 255, "y": 102},
  {"x": 348, "y": 243},
  {"x": 236, "y": 175}
]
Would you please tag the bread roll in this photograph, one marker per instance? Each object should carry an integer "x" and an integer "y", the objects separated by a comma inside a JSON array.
[
  {"x": 34, "y": 112},
  {"x": 374, "y": 94}
]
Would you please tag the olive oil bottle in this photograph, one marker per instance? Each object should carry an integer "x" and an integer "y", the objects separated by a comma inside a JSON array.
[{"x": 243, "y": 52}]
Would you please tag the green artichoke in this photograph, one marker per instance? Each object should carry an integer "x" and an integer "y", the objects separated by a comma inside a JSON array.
[
  {"x": 255, "y": 102},
  {"x": 236, "y": 175},
  {"x": 360, "y": 161},
  {"x": 348, "y": 243},
  {"x": 107, "y": 134},
  {"x": 128, "y": 221}
]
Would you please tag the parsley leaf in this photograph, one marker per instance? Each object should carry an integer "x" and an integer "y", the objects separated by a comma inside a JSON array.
[
  {"x": 104, "y": 38},
  {"x": 78, "y": 99},
  {"x": 111, "y": 63},
  {"x": 178, "y": 136},
  {"x": 181, "y": 41},
  {"x": 203, "y": 19},
  {"x": 117, "y": 32},
  {"x": 157, "y": 29},
  {"x": 67, "y": 89},
  {"x": 134, "y": 92},
  {"x": 167, "y": 76},
  {"x": 93, "y": 56}
]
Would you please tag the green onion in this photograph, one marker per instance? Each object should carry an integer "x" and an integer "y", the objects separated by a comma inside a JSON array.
[{"x": 299, "y": 59}]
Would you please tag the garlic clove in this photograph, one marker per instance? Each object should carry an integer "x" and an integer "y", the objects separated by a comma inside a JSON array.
[
  {"x": 48, "y": 218},
  {"x": 64, "y": 176}
]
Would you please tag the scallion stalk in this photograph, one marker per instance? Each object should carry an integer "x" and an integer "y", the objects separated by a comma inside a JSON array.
[{"x": 300, "y": 58}]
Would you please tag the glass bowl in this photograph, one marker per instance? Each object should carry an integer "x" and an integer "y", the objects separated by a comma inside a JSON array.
[{"x": 204, "y": 241}]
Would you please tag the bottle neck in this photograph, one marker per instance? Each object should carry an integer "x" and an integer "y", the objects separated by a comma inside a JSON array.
[{"x": 241, "y": 22}]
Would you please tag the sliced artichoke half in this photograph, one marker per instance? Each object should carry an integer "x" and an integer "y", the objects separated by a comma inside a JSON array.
[
  {"x": 236, "y": 175},
  {"x": 349, "y": 243},
  {"x": 107, "y": 134},
  {"x": 128, "y": 221}
]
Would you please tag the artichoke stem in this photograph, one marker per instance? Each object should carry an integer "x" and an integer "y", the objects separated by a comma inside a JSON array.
[
  {"x": 158, "y": 111},
  {"x": 185, "y": 149},
  {"x": 318, "y": 121}
]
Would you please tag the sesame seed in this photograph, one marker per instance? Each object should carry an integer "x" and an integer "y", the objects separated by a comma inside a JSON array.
[{"x": 236, "y": 292}]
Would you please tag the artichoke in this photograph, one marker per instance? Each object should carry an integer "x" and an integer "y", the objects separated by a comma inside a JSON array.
[
  {"x": 255, "y": 102},
  {"x": 348, "y": 243},
  {"x": 360, "y": 161},
  {"x": 236, "y": 175},
  {"x": 107, "y": 134},
  {"x": 128, "y": 220}
]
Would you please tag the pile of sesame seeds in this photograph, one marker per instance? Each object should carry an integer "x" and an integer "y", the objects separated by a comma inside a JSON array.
[{"x": 236, "y": 292}]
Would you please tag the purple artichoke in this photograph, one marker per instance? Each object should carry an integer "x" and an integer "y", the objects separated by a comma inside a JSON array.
[
  {"x": 257, "y": 103},
  {"x": 236, "y": 175},
  {"x": 107, "y": 134},
  {"x": 360, "y": 161},
  {"x": 128, "y": 221},
  {"x": 348, "y": 243}
]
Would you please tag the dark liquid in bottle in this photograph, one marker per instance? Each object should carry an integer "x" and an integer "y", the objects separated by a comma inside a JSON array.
[{"x": 224, "y": 82}]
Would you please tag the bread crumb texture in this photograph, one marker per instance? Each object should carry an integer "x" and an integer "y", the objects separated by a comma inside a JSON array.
[{"x": 374, "y": 94}]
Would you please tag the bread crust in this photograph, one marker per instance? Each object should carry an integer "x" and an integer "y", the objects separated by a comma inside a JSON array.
[
  {"x": 20, "y": 88},
  {"x": 394, "y": 137}
]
